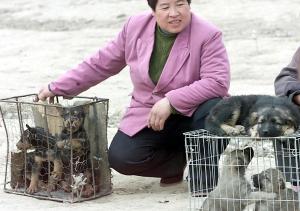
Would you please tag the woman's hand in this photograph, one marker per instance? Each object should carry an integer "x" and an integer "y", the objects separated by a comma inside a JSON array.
[
  {"x": 159, "y": 114},
  {"x": 45, "y": 93}
]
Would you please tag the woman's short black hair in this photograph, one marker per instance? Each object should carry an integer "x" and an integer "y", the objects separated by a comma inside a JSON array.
[{"x": 153, "y": 3}]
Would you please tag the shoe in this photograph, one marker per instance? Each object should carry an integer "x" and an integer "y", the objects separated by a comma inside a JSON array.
[{"x": 168, "y": 181}]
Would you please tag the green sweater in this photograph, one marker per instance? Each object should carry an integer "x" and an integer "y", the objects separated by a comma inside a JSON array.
[{"x": 161, "y": 50}]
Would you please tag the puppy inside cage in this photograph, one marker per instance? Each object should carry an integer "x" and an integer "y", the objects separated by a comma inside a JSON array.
[
  {"x": 254, "y": 173},
  {"x": 56, "y": 151}
]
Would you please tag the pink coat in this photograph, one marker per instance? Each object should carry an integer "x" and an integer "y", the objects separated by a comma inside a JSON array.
[{"x": 197, "y": 69}]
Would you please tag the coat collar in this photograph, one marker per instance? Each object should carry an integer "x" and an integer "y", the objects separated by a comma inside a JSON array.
[{"x": 178, "y": 54}]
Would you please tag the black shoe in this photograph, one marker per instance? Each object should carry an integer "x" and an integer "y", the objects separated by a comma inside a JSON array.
[{"x": 168, "y": 181}]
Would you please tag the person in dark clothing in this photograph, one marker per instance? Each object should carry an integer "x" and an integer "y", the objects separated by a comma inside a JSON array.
[{"x": 287, "y": 84}]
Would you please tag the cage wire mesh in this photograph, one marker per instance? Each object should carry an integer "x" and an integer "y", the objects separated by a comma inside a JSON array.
[
  {"x": 56, "y": 151},
  {"x": 242, "y": 173}
]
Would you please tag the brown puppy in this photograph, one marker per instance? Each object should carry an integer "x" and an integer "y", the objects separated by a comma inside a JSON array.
[
  {"x": 74, "y": 137},
  {"x": 233, "y": 191},
  {"x": 21, "y": 169},
  {"x": 45, "y": 149},
  {"x": 272, "y": 181}
]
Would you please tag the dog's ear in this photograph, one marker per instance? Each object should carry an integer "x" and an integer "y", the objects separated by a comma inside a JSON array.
[
  {"x": 292, "y": 123},
  {"x": 28, "y": 127},
  {"x": 31, "y": 129}
]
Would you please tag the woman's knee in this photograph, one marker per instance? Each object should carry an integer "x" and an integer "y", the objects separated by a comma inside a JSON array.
[
  {"x": 124, "y": 158},
  {"x": 118, "y": 160},
  {"x": 201, "y": 113}
]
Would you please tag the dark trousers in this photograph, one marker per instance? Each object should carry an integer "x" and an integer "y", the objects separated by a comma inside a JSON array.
[{"x": 158, "y": 153}]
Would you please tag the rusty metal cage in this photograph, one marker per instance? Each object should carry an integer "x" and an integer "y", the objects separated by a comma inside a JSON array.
[
  {"x": 242, "y": 173},
  {"x": 56, "y": 151}
]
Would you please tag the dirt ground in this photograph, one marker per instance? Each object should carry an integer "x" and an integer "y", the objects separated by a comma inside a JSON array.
[{"x": 39, "y": 40}]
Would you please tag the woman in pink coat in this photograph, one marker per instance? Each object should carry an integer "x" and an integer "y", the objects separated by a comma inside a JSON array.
[{"x": 179, "y": 69}]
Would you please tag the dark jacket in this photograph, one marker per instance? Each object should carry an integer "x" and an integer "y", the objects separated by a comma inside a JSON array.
[{"x": 287, "y": 83}]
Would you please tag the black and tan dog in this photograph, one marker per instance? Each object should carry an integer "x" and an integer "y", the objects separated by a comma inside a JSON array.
[
  {"x": 253, "y": 115},
  {"x": 74, "y": 137},
  {"x": 45, "y": 150}
]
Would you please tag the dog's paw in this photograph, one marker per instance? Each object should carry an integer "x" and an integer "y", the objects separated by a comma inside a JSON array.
[
  {"x": 253, "y": 131},
  {"x": 88, "y": 191},
  {"x": 32, "y": 189},
  {"x": 65, "y": 186},
  {"x": 240, "y": 129},
  {"x": 51, "y": 187},
  {"x": 42, "y": 185},
  {"x": 234, "y": 131},
  {"x": 289, "y": 131}
]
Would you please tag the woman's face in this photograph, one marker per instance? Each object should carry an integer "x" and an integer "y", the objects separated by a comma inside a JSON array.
[{"x": 172, "y": 15}]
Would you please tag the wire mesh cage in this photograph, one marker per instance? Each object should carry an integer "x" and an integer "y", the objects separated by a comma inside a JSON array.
[
  {"x": 242, "y": 173},
  {"x": 56, "y": 151}
]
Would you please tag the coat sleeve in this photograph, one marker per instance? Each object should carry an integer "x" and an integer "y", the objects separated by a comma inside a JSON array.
[
  {"x": 108, "y": 61},
  {"x": 214, "y": 78},
  {"x": 288, "y": 82}
]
